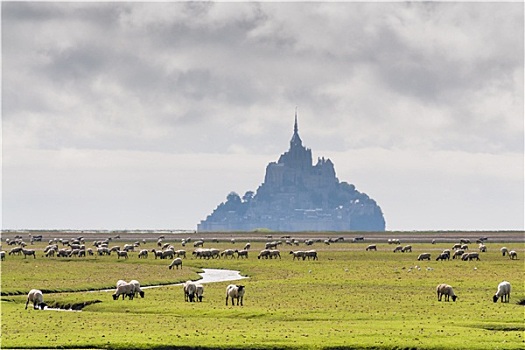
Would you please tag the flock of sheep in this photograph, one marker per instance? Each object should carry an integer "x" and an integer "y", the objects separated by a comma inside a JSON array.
[{"x": 194, "y": 291}]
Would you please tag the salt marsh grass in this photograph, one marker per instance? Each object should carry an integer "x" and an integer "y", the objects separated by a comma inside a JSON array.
[{"x": 350, "y": 298}]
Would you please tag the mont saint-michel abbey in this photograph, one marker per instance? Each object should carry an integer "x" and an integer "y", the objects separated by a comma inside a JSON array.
[{"x": 297, "y": 196}]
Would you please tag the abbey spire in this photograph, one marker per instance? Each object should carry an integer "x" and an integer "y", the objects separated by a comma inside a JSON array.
[{"x": 296, "y": 140}]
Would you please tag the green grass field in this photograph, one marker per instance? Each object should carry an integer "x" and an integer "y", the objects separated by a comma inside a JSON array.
[{"x": 348, "y": 299}]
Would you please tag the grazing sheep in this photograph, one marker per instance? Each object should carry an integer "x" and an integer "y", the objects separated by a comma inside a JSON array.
[
  {"x": 398, "y": 249},
  {"x": 168, "y": 254},
  {"x": 464, "y": 246},
  {"x": 235, "y": 292},
  {"x": 15, "y": 250},
  {"x": 274, "y": 253},
  {"x": 247, "y": 246},
  {"x": 456, "y": 246},
  {"x": 407, "y": 248},
  {"x": 482, "y": 248},
  {"x": 199, "y": 291},
  {"x": 37, "y": 298},
  {"x": 458, "y": 254},
  {"x": 272, "y": 245},
  {"x": 122, "y": 253},
  {"x": 157, "y": 253},
  {"x": 298, "y": 254},
  {"x": 27, "y": 252},
  {"x": 124, "y": 289},
  {"x": 310, "y": 254},
  {"x": 504, "y": 250},
  {"x": 143, "y": 253},
  {"x": 265, "y": 253},
  {"x": 189, "y": 289},
  {"x": 198, "y": 243},
  {"x": 371, "y": 247},
  {"x": 180, "y": 253},
  {"x": 243, "y": 253},
  {"x": 176, "y": 262},
  {"x": 447, "y": 291},
  {"x": 503, "y": 292},
  {"x": 443, "y": 256},
  {"x": 136, "y": 288},
  {"x": 470, "y": 256},
  {"x": 2, "y": 255},
  {"x": 228, "y": 252},
  {"x": 513, "y": 255},
  {"x": 424, "y": 256},
  {"x": 464, "y": 240}
]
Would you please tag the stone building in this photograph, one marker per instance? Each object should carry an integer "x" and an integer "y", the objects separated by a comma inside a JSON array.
[{"x": 297, "y": 196}]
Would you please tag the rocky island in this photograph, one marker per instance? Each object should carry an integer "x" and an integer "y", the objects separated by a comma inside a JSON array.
[{"x": 297, "y": 196}]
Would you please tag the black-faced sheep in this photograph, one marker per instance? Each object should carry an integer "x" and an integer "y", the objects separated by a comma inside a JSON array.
[
  {"x": 398, "y": 249},
  {"x": 143, "y": 254},
  {"x": 513, "y": 255},
  {"x": 424, "y": 256},
  {"x": 371, "y": 247},
  {"x": 124, "y": 289},
  {"x": 29, "y": 252},
  {"x": 265, "y": 253},
  {"x": 504, "y": 250},
  {"x": 123, "y": 254},
  {"x": 36, "y": 297},
  {"x": 274, "y": 253},
  {"x": 443, "y": 256},
  {"x": 228, "y": 252},
  {"x": 199, "y": 291},
  {"x": 458, "y": 254},
  {"x": 176, "y": 262},
  {"x": 503, "y": 292},
  {"x": 247, "y": 246},
  {"x": 136, "y": 288},
  {"x": 189, "y": 289},
  {"x": 2, "y": 255},
  {"x": 235, "y": 292},
  {"x": 447, "y": 291}
]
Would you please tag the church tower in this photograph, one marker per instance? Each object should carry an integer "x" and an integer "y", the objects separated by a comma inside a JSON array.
[{"x": 297, "y": 157}]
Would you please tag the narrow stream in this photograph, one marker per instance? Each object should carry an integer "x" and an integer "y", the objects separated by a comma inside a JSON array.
[{"x": 208, "y": 276}]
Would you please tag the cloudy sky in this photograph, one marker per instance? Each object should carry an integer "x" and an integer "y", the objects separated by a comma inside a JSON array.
[{"x": 146, "y": 115}]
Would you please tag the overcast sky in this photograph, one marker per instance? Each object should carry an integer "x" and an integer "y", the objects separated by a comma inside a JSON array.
[{"x": 146, "y": 115}]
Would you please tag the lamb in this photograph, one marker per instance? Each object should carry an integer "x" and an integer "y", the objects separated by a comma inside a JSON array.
[
  {"x": 235, "y": 292},
  {"x": 136, "y": 288},
  {"x": 176, "y": 262},
  {"x": 447, "y": 291},
  {"x": 503, "y": 292},
  {"x": 37, "y": 298},
  {"x": 424, "y": 256},
  {"x": 371, "y": 247},
  {"x": 124, "y": 288},
  {"x": 199, "y": 291},
  {"x": 189, "y": 289},
  {"x": 513, "y": 255}
]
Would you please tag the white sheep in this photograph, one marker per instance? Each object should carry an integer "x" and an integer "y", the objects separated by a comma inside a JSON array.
[
  {"x": 176, "y": 262},
  {"x": 228, "y": 252},
  {"x": 503, "y": 292},
  {"x": 424, "y": 256},
  {"x": 143, "y": 253},
  {"x": 137, "y": 289},
  {"x": 189, "y": 289},
  {"x": 504, "y": 250},
  {"x": 235, "y": 292},
  {"x": 199, "y": 291},
  {"x": 2, "y": 255},
  {"x": 122, "y": 253},
  {"x": 265, "y": 253},
  {"x": 371, "y": 247},
  {"x": 407, "y": 248},
  {"x": 447, "y": 291},
  {"x": 513, "y": 255},
  {"x": 124, "y": 289},
  {"x": 243, "y": 253},
  {"x": 247, "y": 246},
  {"x": 398, "y": 249},
  {"x": 37, "y": 298},
  {"x": 274, "y": 253},
  {"x": 310, "y": 254},
  {"x": 297, "y": 254}
]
